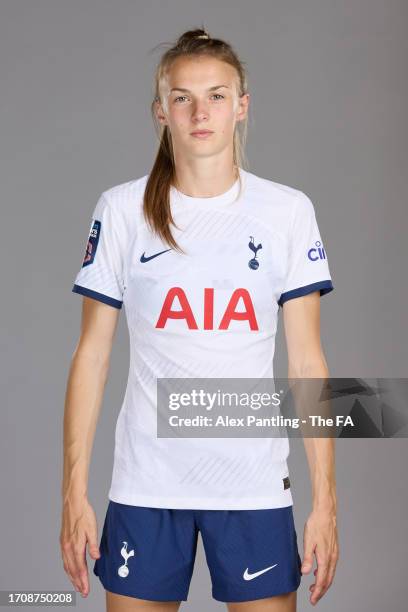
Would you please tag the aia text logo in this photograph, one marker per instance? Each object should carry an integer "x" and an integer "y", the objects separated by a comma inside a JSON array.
[{"x": 247, "y": 316}]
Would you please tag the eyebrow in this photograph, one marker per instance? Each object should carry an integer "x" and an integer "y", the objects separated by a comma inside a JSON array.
[{"x": 188, "y": 91}]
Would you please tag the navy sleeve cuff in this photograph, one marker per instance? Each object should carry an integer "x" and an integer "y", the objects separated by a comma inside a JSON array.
[
  {"x": 97, "y": 296},
  {"x": 324, "y": 287}
]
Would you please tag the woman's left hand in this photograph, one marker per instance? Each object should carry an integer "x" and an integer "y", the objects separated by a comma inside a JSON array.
[{"x": 320, "y": 538}]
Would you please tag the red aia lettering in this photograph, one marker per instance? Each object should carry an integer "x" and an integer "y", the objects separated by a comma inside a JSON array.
[{"x": 186, "y": 313}]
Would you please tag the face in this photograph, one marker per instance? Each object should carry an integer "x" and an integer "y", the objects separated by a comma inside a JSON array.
[{"x": 201, "y": 94}]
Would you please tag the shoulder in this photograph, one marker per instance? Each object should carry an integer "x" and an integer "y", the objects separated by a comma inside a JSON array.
[
  {"x": 125, "y": 198},
  {"x": 277, "y": 202},
  {"x": 120, "y": 209}
]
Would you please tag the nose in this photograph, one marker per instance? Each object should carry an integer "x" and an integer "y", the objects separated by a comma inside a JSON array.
[{"x": 200, "y": 112}]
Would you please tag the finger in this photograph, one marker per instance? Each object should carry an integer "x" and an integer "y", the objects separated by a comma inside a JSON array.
[
  {"x": 68, "y": 567},
  {"x": 93, "y": 547},
  {"x": 329, "y": 577},
  {"x": 74, "y": 571},
  {"x": 67, "y": 570},
  {"x": 332, "y": 568},
  {"x": 82, "y": 568},
  {"x": 332, "y": 564},
  {"x": 307, "y": 562},
  {"x": 74, "y": 555},
  {"x": 321, "y": 578},
  {"x": 71, "y": 566},
  {"x": 312, "y": 586}
]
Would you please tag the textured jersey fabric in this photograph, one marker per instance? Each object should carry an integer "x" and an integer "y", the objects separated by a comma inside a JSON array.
[{"x": 209, "y": 313}]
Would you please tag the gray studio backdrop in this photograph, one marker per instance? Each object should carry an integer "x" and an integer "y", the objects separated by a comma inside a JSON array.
[{"x": 328, "y": 116}]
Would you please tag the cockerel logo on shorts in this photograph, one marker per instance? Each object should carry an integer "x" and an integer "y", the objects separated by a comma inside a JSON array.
[{"x": 123, "y": 570}]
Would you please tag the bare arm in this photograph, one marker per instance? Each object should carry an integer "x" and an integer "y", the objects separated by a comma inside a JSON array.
[
  {"x": 84, "y": 394},
  {"x": 306, "y": 360}
]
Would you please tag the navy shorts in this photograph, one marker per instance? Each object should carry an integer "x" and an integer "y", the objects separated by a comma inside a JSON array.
[{"x": 149, "y": 553}]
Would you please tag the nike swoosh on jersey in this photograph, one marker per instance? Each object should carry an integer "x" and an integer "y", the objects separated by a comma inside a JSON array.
[
  {"x": 143, "y": 259},
  {"x": 248, "y": 576}
]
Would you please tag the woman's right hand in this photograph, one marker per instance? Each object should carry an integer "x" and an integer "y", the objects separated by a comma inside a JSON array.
[{"x": 79, "y": 527}]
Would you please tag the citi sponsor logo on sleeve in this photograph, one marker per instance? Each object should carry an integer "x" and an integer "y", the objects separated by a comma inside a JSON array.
[{"x": 316, "y": 252}]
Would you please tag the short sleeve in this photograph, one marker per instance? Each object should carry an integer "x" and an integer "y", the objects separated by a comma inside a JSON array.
[
  {"x": 307, "y": 267},
  {"x": 101, "y": 274}
]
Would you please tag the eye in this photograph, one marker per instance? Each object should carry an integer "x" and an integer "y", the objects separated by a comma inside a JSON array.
[{"x": 220, "y": 96}]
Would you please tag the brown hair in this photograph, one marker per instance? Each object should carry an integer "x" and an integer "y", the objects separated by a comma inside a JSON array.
[{"x": 156, "y": 201}]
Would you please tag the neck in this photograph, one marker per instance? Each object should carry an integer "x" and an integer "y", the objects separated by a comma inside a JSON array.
[{"x": 205, "y": 182}]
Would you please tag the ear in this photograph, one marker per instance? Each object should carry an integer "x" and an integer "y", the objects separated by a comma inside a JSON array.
[
  {"x": 243, "y": 105},
  {"x": 160, "y": 113}
]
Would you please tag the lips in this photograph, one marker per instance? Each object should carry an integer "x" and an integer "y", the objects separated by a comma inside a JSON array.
[{"x": 202, "y": 133}]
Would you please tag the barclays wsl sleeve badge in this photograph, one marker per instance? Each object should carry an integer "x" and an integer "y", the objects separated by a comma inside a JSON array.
[{"x": 92, "y": 244}]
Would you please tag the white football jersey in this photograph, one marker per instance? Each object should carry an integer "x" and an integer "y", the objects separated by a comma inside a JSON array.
[{"x": 210, "y": 313}]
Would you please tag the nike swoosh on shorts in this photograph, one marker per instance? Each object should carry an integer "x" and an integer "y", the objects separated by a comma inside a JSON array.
[{"x": 248, "y": 576}]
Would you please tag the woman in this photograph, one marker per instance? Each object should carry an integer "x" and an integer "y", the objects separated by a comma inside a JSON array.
[{"x": 203, "y": 254}]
